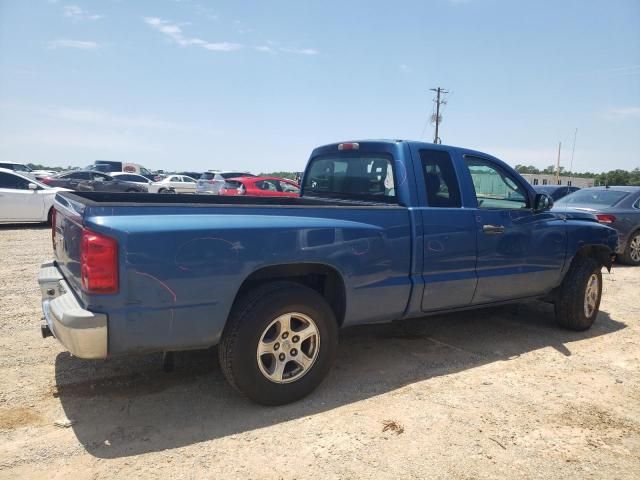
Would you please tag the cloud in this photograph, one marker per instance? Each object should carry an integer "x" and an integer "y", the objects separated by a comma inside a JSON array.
[
  {"x": 77, "y": 44},
  {"x": 300, "y": 51},
  {"x": 265, "y": 48},
  {"x": 175, "y": 34},
  {"x": 76, "y": 13},
  {"x": 273, "y": 49},
  {"x": 624, "y": 70},
  {"x": 106, "y": 119},
  {"x": 622, "y": 113}
]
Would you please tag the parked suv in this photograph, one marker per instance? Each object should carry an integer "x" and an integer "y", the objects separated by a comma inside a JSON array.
[{"x": 212, "y": 181}]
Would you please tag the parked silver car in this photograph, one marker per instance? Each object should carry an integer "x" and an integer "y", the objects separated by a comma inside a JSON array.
[{"x": 212, "y": 181}]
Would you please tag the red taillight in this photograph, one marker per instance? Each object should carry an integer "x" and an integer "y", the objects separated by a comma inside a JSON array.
[
  {"x": 349, "y": 146},
  {"x": 99, "y": 263},
  {"x": 46, "y": 181},
  {"x": 53, "y": 228},
  {"x": 604, "y": 218}
]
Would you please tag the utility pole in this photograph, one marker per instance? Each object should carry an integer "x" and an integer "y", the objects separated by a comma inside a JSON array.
[
  {"x": 437, "y": 118},
  {"x": 573, "y": 151},
  {"x": 558, "y": 164}
]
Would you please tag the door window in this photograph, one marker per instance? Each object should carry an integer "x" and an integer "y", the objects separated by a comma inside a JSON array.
[
  {"x": 78, "y": 175},
  {"x": 13, "y": 181},
  {"x": 267, "y": 185},
  {"x": 495, "y": 188},
  {"x": 101, "y": 177},
  {"x": 440, "y": 179},
  {"x": 288, "y": 187}
]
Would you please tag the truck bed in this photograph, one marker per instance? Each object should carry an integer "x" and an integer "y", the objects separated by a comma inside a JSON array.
[{"x": 183, "y": 258}]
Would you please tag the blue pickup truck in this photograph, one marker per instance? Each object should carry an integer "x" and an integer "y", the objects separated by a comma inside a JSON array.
[{"x": 383, "y": 230}]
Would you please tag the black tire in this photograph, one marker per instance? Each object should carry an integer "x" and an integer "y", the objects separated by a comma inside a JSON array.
[
  {"x": 626, "y": 257},
  {"x": 570, "y": 306},
  {"x": 50, "y": 217},
  {"x": 245, "y": 328}
]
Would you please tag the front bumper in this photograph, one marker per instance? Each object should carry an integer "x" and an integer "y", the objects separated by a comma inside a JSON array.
[{"x": 80, "y": 331}]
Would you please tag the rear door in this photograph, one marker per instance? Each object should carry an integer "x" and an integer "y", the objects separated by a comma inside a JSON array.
[
  {"x": 448, "y": 235},
  {"x": 101, "y": 182},
  {"x": 188, "y": 184},
  {"x": 175, "y": 181},
  {"x": 521, "y": 252}
]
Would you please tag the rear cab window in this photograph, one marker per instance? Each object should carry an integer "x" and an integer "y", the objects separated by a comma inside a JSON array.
[{"x": 360, "y": 176}]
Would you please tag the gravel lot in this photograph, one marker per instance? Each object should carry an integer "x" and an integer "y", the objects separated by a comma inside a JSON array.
[{"x": 499, "y": 393}]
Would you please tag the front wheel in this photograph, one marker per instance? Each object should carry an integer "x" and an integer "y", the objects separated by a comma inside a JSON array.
[
  {"x": 578, "y": 303},
  {"x": 279, "y": 344}
]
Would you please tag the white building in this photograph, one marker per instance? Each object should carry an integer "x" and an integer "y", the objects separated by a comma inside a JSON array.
[{"x": 550, "y": 179}]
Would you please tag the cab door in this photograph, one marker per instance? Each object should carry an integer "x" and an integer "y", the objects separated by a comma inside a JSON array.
[
  {"x": 521, "y": 252},
  {"x": 448, "y": 231}
]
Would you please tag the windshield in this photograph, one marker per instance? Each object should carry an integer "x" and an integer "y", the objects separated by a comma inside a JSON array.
[
  {"x": 365, "y": 176},
  {"x": 600, "y": 198}
]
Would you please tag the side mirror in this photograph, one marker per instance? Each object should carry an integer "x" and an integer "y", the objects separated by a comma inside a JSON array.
[
  {"x": 33, "y": 187},
  {"x": 543, "y": 202}
]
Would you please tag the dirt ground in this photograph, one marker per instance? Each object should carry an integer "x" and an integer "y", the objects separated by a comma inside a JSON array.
[{"x": 498, "y": 393}]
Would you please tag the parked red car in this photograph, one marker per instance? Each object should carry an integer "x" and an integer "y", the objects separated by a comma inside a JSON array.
[{"x": 260, "y": 187}]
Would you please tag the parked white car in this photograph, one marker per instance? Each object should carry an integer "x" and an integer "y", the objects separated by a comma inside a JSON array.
[
  {"x": 23, "y": 199},
  {"x": 153, "y": 187},
  {"x": 180, "y": 183}
]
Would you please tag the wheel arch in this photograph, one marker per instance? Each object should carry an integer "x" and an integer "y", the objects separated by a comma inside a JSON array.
[
  {"x": 323, "y": 278},
  {"x": 50, "y": 215},
  {"x": 601, "y": 253}
]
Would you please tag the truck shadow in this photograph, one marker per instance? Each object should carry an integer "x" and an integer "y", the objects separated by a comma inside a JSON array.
[{"x": 128, "y": 406}]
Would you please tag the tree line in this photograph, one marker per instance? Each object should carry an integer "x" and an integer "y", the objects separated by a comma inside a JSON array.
[{"x": 612, "y": 177}]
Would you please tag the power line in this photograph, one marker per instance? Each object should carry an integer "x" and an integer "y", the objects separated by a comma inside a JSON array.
[{"x": 437, "y": 118}]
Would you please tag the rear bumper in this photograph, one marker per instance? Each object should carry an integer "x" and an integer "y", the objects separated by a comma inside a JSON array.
[{"x": 80, "y": 331}]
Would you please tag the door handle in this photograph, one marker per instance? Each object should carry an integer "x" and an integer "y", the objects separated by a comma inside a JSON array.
[{"x": 493, "y": 229}]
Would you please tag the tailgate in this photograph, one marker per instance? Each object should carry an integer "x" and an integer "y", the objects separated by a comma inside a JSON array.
[{"x": 67, "y": 239}]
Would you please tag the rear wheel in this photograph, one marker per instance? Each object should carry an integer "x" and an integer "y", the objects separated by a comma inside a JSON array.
[
  {"x": 580, "y": 294},
  {"x": 50, "y": 217},
  {"x": 280, "y": 342},
  {"x": 631, "y": 254}
]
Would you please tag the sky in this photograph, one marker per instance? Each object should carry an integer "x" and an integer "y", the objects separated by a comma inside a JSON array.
[{"x": 257, "y": 84}]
